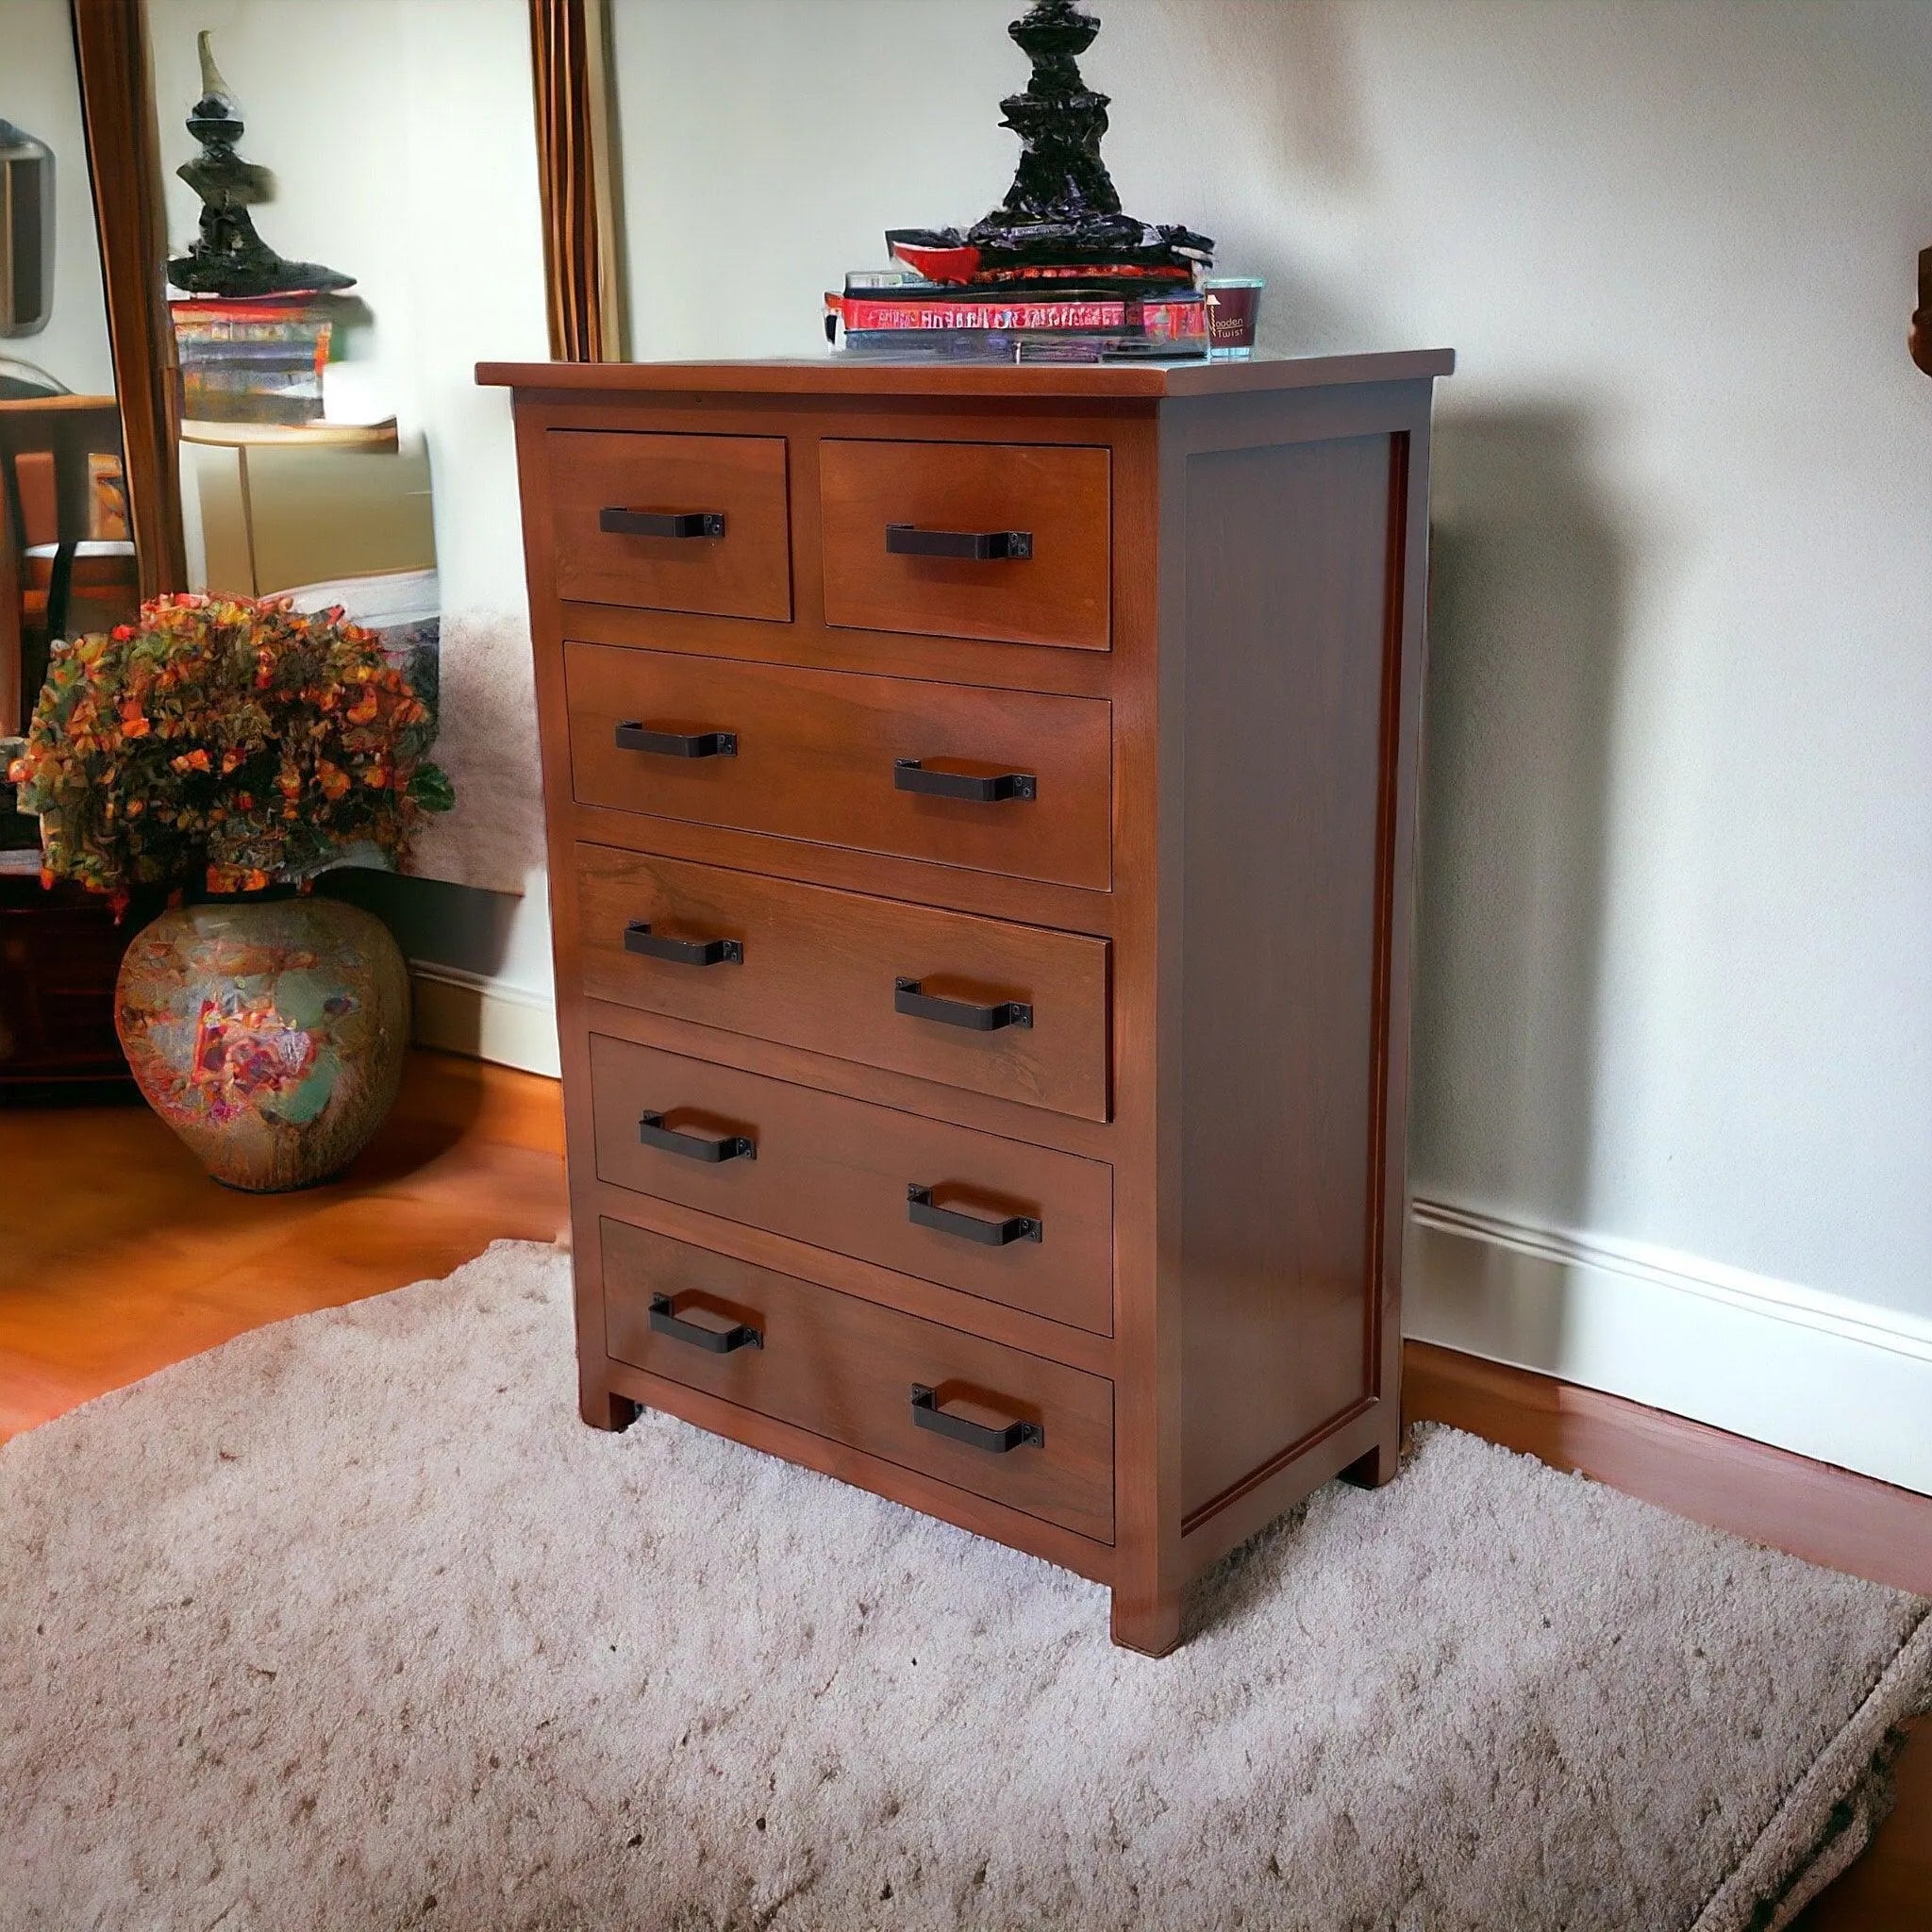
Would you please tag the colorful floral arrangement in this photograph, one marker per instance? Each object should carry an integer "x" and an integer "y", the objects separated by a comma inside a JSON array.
[{"x": 225, "y": 743}]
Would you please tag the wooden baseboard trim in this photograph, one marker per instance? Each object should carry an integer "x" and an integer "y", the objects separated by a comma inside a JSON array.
[
  {"x": 1826, "y": 1515},
  {"x": 1841, "y": 1382},
  {"x": 460, "y": 1012}
]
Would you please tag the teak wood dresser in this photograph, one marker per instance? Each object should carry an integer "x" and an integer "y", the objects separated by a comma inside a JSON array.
[{"x": 981, "y": 809}]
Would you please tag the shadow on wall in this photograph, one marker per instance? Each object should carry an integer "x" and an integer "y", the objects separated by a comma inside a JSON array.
[
  {"x": 1288, "y": 143},
  {"x": 1529, "y": 611},
  {"x": 432, "y": 920},
  {"x": 1298, "y": 71}
]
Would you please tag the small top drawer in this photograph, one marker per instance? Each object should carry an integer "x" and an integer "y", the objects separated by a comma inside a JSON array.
[
  {"x": 1008, "y": 541},
  {"x": 697, "y": 523}
]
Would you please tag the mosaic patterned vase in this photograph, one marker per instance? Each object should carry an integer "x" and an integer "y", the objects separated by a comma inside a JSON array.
[{"x": 268, "y": 1033}]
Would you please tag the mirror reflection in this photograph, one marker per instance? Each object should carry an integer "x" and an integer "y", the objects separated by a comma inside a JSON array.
[{"x": 290, "y": 330}]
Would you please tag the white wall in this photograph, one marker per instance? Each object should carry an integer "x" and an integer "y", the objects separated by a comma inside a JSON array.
[
  {"x": 39, "y": 92},
  {"x": 1675, "y": 974}
]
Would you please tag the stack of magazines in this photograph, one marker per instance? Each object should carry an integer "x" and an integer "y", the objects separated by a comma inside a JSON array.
[{"x": 892, "y": 315}]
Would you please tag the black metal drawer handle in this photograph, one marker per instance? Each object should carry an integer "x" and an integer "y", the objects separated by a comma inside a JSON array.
[
  {"x": 712, "y": 1341},
  {"x": 615, "y": 520},
  {"x": 910, "y": 998},
  {"x": 927, "y": 1414},
  {"x": 978, "y": 1228},
  {"x": 981, "y": 546},
  {"x": 632, "y": 736},
  {"x": 910, "y": 775},
  {"x": 972, "y": 1228},
  {"x": 653, "y": 1133},
  {"x": 639, "y": 938}
]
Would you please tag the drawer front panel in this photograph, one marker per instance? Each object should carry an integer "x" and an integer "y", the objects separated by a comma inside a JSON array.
[
  {"x": 1052, "y": 500},
  {"x": 819, "y": 969},
  {"x": 815, "y": 755},
  {"x": 1003, "y": 1220},
  {"x": 846, "y": 1368},
  {"x": 636, "y": 482}
]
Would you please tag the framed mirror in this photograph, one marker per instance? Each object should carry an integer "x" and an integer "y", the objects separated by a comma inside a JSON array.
[{"x": 467, "y": 237}]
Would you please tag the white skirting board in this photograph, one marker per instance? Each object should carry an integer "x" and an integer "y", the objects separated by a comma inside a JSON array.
[
  {"x": 462, "y": 1012},
  {"x": 1838, "y": 1380}
]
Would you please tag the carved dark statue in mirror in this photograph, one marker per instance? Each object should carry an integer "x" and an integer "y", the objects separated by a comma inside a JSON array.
[
  {"x": 228, "y": 258},
  {"x": 1061, "y": 218}
]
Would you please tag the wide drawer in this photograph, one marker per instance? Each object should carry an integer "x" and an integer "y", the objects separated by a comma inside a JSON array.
[
  {"x": 670, "y": 523},
  {"x": 1004, "y": 1220},
  {"x": 849, "y": 1369},
  {"x": 822, "y": 969},
  {"x": 968, "y": 540},
  {"x": 840, "y": 758}
]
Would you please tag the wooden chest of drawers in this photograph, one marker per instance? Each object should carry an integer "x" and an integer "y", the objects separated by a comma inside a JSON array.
[{"x": 981, "y": 810}]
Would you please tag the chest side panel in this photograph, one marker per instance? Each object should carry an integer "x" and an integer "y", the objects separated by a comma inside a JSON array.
[{"x": 1291, "y": 654}]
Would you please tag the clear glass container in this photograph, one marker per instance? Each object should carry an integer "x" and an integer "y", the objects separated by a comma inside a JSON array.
[{"x": 1234, "y": 307}]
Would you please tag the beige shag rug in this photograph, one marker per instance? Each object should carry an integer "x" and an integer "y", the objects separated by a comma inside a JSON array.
[{"x": 351, "y": 1624}]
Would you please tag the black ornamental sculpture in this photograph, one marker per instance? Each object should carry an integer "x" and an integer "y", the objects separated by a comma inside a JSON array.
[
  {"x": 228, "y": 258},
  {"x": 1061, "y": 220}
]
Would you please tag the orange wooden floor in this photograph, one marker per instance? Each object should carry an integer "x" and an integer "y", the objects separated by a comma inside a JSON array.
[{"x": 118, "y": 1257}]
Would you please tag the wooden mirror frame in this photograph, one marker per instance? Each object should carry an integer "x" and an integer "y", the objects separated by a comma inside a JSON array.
[
  {"x": 1922, "y": 316},
  {"x": 570, "y": 76},
  {"x": 115, "y": 71},
  {"x": 124, "y": 163}
]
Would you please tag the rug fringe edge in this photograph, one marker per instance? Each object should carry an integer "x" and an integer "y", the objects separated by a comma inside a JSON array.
[{"x": 1853, "y": 1767}]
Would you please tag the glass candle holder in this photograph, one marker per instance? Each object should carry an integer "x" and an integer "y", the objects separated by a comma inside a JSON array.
[{"x": 1234, "y": 307}]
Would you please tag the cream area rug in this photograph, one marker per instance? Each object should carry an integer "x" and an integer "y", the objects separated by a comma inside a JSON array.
[{"x": 352, "y": 1624}]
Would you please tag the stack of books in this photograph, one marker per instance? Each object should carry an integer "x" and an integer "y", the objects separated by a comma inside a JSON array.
[
  {"x": 887, "y": 315},
  {"x": 252, "y": 359}
]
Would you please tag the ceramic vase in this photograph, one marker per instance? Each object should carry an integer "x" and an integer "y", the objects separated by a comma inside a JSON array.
[{"x": 269, "y": 1033}]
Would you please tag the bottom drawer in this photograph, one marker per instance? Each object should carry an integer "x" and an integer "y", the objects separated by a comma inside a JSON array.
[{"x": 1013, "y": 1428}]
